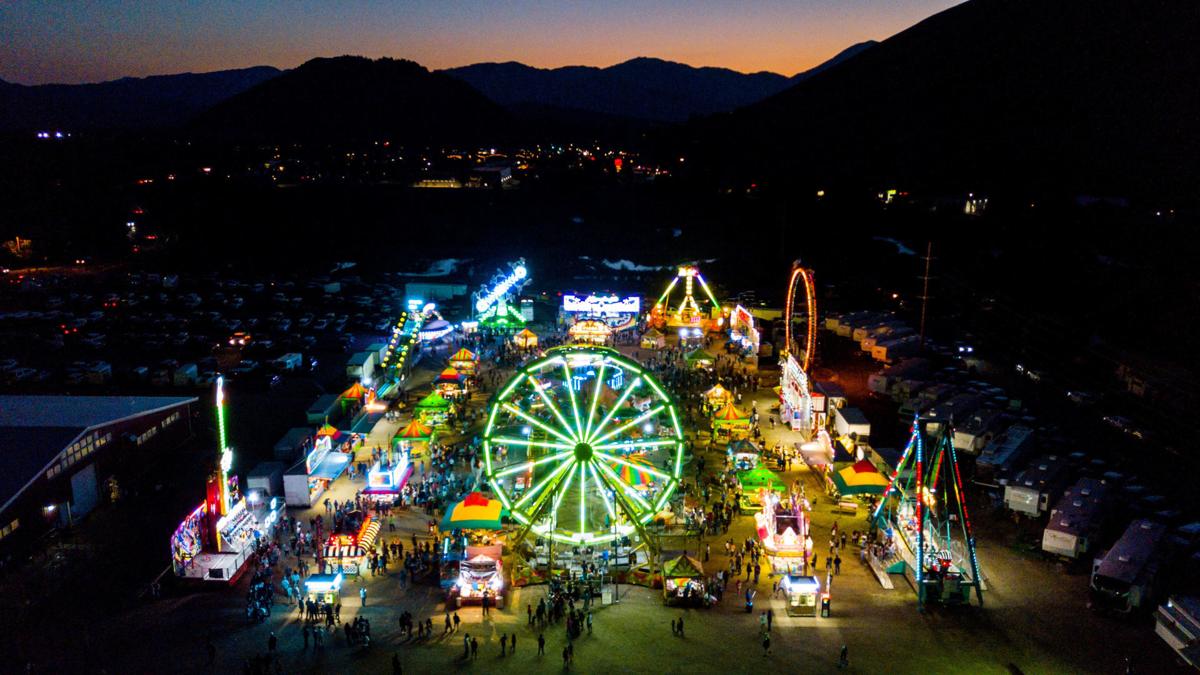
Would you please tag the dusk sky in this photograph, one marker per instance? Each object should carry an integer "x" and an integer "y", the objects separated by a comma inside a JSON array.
[{"x": 98, "y": 40}]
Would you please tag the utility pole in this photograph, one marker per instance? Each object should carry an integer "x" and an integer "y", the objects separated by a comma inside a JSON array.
[{"x": 925, "y": 292}]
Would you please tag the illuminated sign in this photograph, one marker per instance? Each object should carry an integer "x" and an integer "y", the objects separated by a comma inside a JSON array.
[
  {"x": 607, "y": 305},
  {"x": 797, "y": 401}
]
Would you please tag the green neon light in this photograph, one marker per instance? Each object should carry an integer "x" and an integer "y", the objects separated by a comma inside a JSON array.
[
  {"x": 640, "y": 467},
  {"x": 571, "y": 393},
  {"x": 536, "y": 422},
  {"x": 525, "y": 466},
  {"x": 635, "y": 444},
  {"x": 541, "y": 390},
  {"x": 221, "y": 439},
  {"x": 541, "y": 486},
  {"x": 562, "y": 493},
  {"x": 582, "y": 497},
  {"x": 511, "y": 385},
  {"x": 617, "y": 406},
  {"x": 603, "y": 491},
  {"x": 533, "y": 444},
  {"x": 666, "y": 292},
  {"x": 599, "y": 386},
  {"x": 629, "y": 425}
]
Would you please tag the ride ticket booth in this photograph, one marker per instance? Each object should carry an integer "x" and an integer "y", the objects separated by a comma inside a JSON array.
[
  {"x": 803, "y": 594},
  {"x": 326, "y": 588}
]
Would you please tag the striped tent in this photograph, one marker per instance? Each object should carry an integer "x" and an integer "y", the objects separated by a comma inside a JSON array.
[
  {"x": 860, "y": 478},
  {"x": 731, "y": 415},
  {"x": 416, "y": 431}
]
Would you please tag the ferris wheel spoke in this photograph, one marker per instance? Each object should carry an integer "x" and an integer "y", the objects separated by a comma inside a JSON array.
[
  {"x": 532, "y": 444},
  {"x": 636, "y": 444},
  {"x": 583, "y": 497},
  {"x": 614, "y": 479},
  {"x": 525, "y": 466},
  {"x": 565, "y": 488},
  {"x": 536, "y": 422},
  {"x": 549, "y": 480},
  {"x": 540, "y": 388},
  {"x": 604, "y": 497},
  {"x": 567, "y": 384},
  {"x": 617, "y": 406},
  {"x": 598, "y": 386},
  {"x": 629, "y": 425},
  {"x": 633, "y": 465}
]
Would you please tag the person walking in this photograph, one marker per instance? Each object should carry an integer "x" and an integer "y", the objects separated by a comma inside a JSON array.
[
  {"x": 843, "y": 658},
  {"x": 466, "y": 645},
  {"x": 457, "y": 621},
  {"x": 541, "y": 644},
  {"x": 272, "y": 643},
  {"x": 503, "y": 643},
  {"x": 837, "y": 564},
  {"x": 566, "y": 657},
  {"x": 448, "y": 627},
  {"x": 529, "y": 612},
  {"x": 770, "y": 619},
  {"x": 681, "y": 626},
  {"x": 512, "y": 643},
  {"x": 589, "y": 622},
  {"x": 474, "y": 648},
  {"x": 362, "y": 594},
  {"x": 766, "y": 643}
]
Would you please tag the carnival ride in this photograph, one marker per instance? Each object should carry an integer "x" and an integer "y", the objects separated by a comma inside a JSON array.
[
  {"x": 793, "y": 344},
  {"x": 493, "y": 302},
  {"x": 559, "y": 434},
  {"x": 687, "y": 314},
  {"x": 923, "y": 509}
]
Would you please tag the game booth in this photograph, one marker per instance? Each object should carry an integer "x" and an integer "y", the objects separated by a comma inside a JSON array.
[
  {"x": 743, "y": 455},
  {"x": 450, "y": 383},
  {"x": 324, "y": 588},
  {"x": 481, "y": 572},
  {"x": 718, "y": 397},
  {"x": 346, "y": 549},
  {"x": 654, "y": 339},
  {"x": 304, "y": 483},
  {"x": 388, "y": 476},
  {"x": 730, "y": 424},
  {"x": 590, "y": 331},
  {"x": 698, "y": 359},
  {"x": 856, "y": 480},
  {"x": 464, "y": 361},
  {"x": 683, "y": 583},
  {"x": 433, "y": 410},
  {"x": 526, "y": 339},
  {"x": 414, "y": 438},
  {"x": 758, "y": 484}
]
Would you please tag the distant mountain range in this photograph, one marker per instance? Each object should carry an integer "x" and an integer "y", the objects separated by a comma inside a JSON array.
[
  {"x": 1095, "y": 96},
  {"x": 127, "y": 103},
  {"x": 641, "y": 88},
  {"x": 356, "y": 98}
]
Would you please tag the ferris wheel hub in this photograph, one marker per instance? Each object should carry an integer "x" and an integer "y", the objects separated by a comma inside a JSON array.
[{"x": 583, "y": 452}]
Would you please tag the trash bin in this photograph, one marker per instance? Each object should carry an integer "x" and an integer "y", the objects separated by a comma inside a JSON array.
[{"x": 825, "y": 605}]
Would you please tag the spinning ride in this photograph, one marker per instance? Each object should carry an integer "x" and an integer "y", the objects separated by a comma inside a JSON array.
[
  {"x": 571, "y": 439},
  {"x": 687, "y": 313},
  {"x": 923, "y": 509}
]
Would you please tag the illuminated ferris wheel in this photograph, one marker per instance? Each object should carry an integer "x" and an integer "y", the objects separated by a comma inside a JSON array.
[
  {"x": 582, "y": 445},
  {"x": 803, "y": 345}
]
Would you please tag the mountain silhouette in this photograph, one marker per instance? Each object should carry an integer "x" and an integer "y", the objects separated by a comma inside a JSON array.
[
  {"x": 1094, "y": 96},
  {"x": 127, "y": 103},
  {"x": 641, "y": 88},
  {"x": 356, "y": 98}
]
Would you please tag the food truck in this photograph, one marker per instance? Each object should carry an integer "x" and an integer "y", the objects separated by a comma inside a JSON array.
[
  {"x": 326, "y": 588},
  {"x": 388, "y": 476},
  {"x": 803, "y": 594}
]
